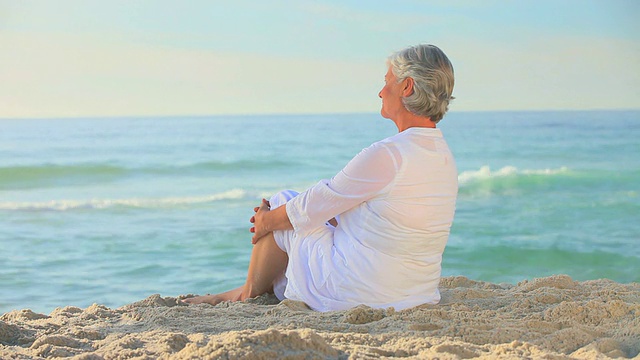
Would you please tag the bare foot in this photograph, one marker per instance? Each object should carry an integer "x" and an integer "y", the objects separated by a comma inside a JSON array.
[
  {"x": 205, "y": 299},
  {"x": 215, "y": 299}
]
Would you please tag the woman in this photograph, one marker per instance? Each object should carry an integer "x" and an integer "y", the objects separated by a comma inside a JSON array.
[{"x": 374, "y": 234}]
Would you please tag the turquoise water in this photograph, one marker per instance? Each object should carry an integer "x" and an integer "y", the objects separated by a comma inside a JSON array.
[{"x": 110, "y": 211}]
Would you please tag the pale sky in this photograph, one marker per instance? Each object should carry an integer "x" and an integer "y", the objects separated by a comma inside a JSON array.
[{"x": 85, "y": 58}]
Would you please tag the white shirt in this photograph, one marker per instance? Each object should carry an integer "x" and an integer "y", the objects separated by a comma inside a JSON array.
[{"x": 395, "y": 203}]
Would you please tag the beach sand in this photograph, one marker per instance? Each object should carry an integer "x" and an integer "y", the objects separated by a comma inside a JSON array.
[{"x": 550, "y": 318}]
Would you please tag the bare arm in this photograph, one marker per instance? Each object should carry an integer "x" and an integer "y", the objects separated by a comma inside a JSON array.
[{"x": 266, "y": 220}]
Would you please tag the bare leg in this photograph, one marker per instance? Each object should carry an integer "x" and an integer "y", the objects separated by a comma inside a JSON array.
[{"x": 268, "y": 261}]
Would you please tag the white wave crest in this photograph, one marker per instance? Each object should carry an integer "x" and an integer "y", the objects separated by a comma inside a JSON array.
[
  {"x": 63, "y": 205},
  {"x": 485, "y": 173}
]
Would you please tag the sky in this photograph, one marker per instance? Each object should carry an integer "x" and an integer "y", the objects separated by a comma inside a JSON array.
[{"x": 90, "y": 58}]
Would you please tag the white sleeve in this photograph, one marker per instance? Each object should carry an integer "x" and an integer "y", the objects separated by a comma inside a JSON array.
[{"x": 365, "y": 176}]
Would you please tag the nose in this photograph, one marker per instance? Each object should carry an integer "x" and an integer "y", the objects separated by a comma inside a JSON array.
[{"x": 380, "y": 94}]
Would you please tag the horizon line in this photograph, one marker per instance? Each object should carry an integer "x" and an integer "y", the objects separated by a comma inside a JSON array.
[{"x": 212, "y": 115}]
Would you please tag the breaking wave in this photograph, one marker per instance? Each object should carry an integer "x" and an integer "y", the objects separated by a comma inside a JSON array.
[{"x": 146, "y": 203}]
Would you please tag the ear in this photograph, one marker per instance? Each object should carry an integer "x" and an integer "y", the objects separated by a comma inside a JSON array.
[{"x": 407, "y": 89}]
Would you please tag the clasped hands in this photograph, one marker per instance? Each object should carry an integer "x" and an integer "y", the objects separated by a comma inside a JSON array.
[{"x": 259, "y": 228}]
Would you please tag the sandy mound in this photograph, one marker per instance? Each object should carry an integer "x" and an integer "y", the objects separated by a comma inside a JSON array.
[{"x": 551, "y": 318}]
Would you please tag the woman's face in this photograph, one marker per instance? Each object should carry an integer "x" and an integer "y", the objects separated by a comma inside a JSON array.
[{"x": 391, "y": 95}]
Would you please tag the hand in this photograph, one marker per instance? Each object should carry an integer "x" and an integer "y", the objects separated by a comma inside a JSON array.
[{"x": 259, "y": 228}]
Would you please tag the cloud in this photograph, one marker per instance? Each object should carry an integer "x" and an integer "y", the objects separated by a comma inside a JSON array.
[
  {"x": 367, "y": 18},
  {"x": 552, "y": 73},
  {"x": 71, "y": 75}
]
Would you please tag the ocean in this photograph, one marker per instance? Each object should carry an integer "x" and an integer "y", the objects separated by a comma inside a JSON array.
[{"x": 112, "y": 210}]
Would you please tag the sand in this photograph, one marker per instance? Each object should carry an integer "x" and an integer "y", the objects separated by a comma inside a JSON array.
[{"x": 548, "y": 318}]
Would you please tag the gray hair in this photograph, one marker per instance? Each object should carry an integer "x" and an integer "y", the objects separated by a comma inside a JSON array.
[{"x": 432, "y": 74}]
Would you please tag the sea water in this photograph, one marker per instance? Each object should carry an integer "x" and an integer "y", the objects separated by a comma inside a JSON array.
[{"x": 112, "y": 210}]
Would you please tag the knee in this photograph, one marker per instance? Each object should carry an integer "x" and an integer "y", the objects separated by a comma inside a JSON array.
[{"x": 281, "y": 198}]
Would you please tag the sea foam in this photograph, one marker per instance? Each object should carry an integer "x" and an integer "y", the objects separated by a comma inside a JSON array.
[
  {"x": 147, "y": 203},
  {"x": 485, "y": 173}
]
